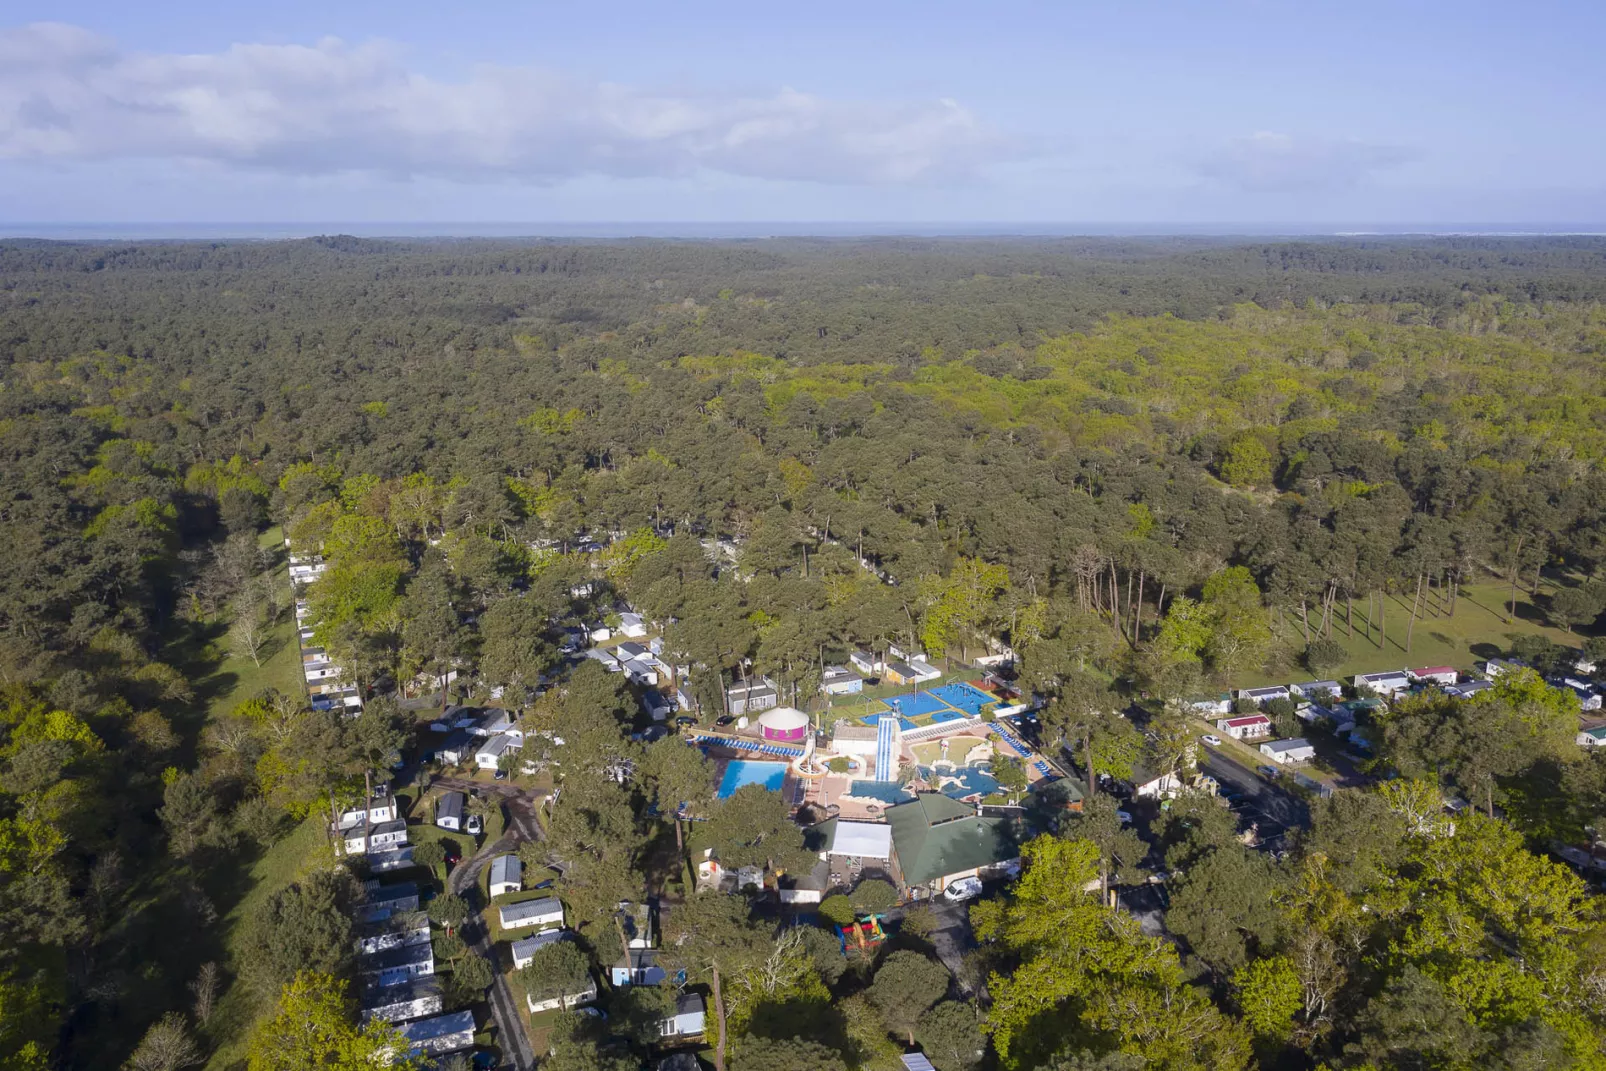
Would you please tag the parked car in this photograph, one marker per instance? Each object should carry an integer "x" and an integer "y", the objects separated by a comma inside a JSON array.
[
  {"x": 685, "y": 721},
  {"x": 1212, "y": 739},
  {"x": 1269, "y": 771},
  {"x": 474, "y": 827},
  {"x": 964, "y": 889},
  {"x": 500, "y": 775},
  {"x": 726, "y": 720}
]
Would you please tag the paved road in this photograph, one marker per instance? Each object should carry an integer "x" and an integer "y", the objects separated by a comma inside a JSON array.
[
  {"x": 1279, "y": 806},
  {"x": 516, "y": 1052}
]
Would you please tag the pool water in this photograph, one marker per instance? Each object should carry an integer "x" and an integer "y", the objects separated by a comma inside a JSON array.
[{"x": 739, "y": 772}]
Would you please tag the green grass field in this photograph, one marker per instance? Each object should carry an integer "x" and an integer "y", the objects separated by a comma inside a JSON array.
[
  {"x": 238, "y": 679},
  {"x": 1478, "y": 631},
  {"x": 240, "y": 1007}
]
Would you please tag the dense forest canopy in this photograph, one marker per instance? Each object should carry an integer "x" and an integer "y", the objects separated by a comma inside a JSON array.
[{"x": 1151, "y": 466}]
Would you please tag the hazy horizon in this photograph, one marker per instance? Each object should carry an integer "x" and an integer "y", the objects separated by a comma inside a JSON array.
[{"x": 736, "y": 229}]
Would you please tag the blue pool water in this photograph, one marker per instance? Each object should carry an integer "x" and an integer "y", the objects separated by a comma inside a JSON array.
[{"x": 739, "y": 772}]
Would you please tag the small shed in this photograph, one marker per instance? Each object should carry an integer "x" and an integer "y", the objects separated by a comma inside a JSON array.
[
  {"x": 449, "y": 811},
  {"x": 689, "y": 1019},
  {"x": 507, "y": 874}
]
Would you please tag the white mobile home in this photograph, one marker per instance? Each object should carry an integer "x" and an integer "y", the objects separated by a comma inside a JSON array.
[
  {"x": 1284, "y": 752},
  {"x": 1264, "y": 695},
  {"x": 1386, "y": 683},
  {"x": 441, "y": 1035},
  {"x": 1317, "y": 690},
  {"x": 507, "y": 874},
  {"x": 543, "y": 913}
]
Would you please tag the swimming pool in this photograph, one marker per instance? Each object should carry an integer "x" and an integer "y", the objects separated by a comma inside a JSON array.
[{"x": 739, "y": 772}]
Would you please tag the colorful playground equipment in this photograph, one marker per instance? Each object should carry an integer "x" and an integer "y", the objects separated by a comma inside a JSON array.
[{"x": 864, "y": 934}]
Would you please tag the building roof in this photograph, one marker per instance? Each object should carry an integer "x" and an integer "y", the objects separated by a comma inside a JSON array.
[
  {"x": 935, "y": 836},
  {"x": 872, "y": 840},
  {"x": 916, "y": 1061},
  {"x": 902, "y": 669},
  {"x": 640, "y": 959},
  {"x": 450, "y": 805},
  {"x": 530, "y": 909},
  {"x": 1330, "y": 686},
  {"x": 1247, "y": 719},
  {"x": 783, "y": 719},
  {"x": 416, "y": 988},
  {"x": 1426, "y": 671},
  {"x": 439, "y": 1027},
  {"x": 386, "y": 893},
  {"x": 689, "y": 1004},
  {"x": 1265, "y": 689},
  {"x": 844, "y": 730},
  {"x": 1296, "y": 744},
  {"x": 506, "y": 868},
  {"x": 1383, "y": 675},
  {"x": 391, "y": 958},
  {"x": 496, "y": 745},
  {"x": 527, "y": 947}
]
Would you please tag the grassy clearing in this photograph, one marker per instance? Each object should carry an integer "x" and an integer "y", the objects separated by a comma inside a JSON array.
[
  {"x": 240, "y": 1007},
  {"x": 238, "y": 679},
  {"x": 1478, "y": 631}
]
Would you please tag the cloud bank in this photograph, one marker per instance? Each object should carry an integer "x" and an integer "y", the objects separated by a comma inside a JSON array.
[
  {"x": 69, "y": 95},
  {"x": 1273, "y": 163}
]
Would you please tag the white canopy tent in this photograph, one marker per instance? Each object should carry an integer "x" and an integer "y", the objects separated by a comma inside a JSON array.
[{"x": 866, "y": 840}]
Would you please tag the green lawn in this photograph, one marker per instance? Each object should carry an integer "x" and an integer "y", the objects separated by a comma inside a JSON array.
[
  {"x": 1477, "y": 631},
  {"x": 240, "y": 1008},
  {"x": 238, "y": 679}
]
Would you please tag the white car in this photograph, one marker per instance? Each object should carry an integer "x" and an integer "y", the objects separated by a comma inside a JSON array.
[
  {"x": 964, "y": 889},
  {"x": 474, "y": 825},
  {"x": 1212, "y": 739}
]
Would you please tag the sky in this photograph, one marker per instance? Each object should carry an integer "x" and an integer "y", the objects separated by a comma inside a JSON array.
[{"x": 1144, "y": 112}]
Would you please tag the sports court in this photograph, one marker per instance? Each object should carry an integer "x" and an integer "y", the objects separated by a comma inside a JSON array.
[{"x": 950, "y": 702}]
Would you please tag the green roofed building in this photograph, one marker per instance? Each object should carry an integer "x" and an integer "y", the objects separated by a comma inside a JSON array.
[{"x": 937, "y": 841}]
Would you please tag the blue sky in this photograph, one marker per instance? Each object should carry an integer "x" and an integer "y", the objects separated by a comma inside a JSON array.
[{"x": 1211, "y": 111}]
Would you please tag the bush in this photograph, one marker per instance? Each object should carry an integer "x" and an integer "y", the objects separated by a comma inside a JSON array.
[
  {"x": 837, "y": 910},
  {"x": 872, "y": 896},
  {"x": 1324, "y": 655}
]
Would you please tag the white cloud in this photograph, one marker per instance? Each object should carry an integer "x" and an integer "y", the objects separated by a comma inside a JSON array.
[
  {"x": 1267, "y": 162},
  {"x": 67, "y": 94}
]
